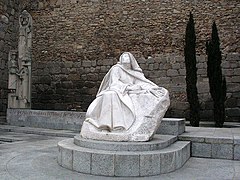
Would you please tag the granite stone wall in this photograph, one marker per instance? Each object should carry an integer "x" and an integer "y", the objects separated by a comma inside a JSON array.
[
  {"x": 69, "y": 86},
  {"x": 8, "y": 40},
  {"x": 77, "y": 41}
]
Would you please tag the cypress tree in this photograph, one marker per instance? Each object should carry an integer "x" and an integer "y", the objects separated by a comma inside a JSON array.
[
  {"x": 217, "y": 82},
  {"x": 191, "y": 72}
]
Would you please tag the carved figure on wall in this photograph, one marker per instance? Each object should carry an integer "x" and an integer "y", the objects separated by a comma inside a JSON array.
[
  {"x": 13, "y": 70},
  {"x": 25, "y": 38},
  {"x": 128, "y": 107},
  {"x": 20, "y": 66},
  {"x": 23, "y": 91}
]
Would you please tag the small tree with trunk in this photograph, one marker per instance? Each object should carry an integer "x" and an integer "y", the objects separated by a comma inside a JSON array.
[
  {"x": 217, "y": 82},
  {"x": 191, "y": 72}
]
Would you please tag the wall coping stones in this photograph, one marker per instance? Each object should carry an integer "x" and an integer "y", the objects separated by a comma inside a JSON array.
[
  {"x": 72, "y": 120},
  {"x": 210, "y": 135},
  {"x": 39, "y": 131},
  {"x": 206, "y": 139},
  {"x": 67, "y": 120}
]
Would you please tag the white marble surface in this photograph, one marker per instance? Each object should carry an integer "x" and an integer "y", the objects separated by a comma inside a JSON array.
[{"x": 128, "y": 107}]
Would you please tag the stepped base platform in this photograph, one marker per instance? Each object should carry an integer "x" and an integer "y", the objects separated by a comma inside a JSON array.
[
  {"x": 158, "y": 142},
  {"x": 216, "y": 143},
  {"x": 203, "y": 140},
  {"x": 163, "y": 154}
]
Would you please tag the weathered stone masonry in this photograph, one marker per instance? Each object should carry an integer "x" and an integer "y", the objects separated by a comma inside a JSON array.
[
  {"x": 8, "y": 40},
  {"x": 9, "y": 13},
  {"x": 77, "y": 41}
]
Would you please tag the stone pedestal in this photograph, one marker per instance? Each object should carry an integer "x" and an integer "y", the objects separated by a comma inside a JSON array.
[{"x": 163, "y": 154}]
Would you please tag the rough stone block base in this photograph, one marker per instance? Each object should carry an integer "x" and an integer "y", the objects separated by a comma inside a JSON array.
[{"x": 172, "y": 126}]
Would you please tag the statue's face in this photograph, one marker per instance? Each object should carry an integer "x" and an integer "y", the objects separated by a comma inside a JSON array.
[
  {"x": 24, "y": 20},
  {"x": 13, "y": 57},
  {"x": 126, "y": 59}
]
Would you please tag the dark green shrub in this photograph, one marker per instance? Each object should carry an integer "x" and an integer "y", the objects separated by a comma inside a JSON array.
[
  {"x": 217, "y": 82},
  {"x": 191, "y": 72}
]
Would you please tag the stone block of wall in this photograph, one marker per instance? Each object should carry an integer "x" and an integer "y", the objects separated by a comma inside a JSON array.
[{"x": 8, "y": 40}]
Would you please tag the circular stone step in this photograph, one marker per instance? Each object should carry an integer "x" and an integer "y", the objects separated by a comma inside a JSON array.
[
  {"x": 122, "y": 163},
  {"x": 158, "y": 142}
]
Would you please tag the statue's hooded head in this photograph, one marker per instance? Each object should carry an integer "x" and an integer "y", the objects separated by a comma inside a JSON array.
[
  {"x": 127, "y": 57},
  {"x": 25, "y": 19}
]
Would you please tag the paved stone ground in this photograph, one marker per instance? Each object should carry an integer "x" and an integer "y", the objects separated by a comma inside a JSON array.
[{"x": 34, "y": 157}]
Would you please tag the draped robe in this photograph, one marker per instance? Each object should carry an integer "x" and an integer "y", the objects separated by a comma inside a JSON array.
[{"x": 113, "y": 108}]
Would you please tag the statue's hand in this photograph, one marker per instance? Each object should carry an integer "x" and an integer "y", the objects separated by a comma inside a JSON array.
[{"x": 133, "y": 88}]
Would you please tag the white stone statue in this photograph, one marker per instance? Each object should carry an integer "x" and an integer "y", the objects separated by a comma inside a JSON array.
[
  {"x": 13, "y": 70},
  {"x": 128, "y": 107},
  {"x": 20, "y": 68},
  {"x": 25, "y": 38}
]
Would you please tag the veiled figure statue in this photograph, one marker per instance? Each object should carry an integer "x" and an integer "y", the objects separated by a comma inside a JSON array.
[
  {"x": 128, "y": 107},
  {"x": 25, "y": 38}
]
